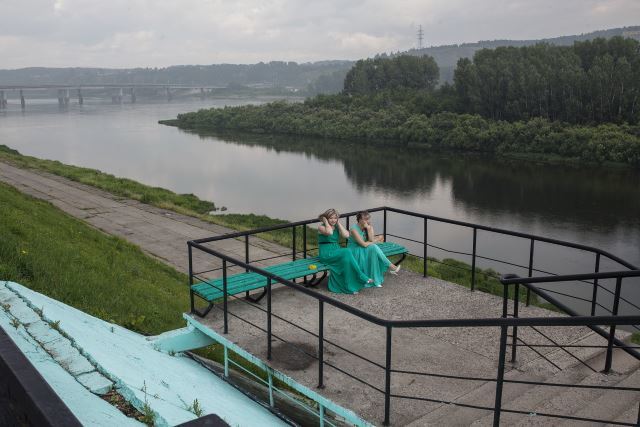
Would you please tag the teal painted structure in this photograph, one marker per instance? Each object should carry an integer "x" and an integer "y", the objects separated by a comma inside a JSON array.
[
  {"x": 322, "y": 402},
  {"x": 81, "y": 357}
]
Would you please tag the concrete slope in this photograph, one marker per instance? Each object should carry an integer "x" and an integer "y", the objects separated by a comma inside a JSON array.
[{"x": 67, "y": 346}]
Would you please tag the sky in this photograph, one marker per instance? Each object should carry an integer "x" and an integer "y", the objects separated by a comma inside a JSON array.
[{"x": 159, "y": 33}]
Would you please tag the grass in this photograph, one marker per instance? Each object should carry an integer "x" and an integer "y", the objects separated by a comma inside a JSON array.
[
  {"x": 59, "y": 256},
  {"x": 183, "y": 203}
]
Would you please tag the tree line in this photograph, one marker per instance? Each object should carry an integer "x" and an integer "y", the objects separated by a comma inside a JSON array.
[
  {"x": 577, "y": 102},
  {"x": 593, "y": 81}
]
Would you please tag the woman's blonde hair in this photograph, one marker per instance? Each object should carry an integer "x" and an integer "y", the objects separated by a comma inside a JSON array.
[{"x": 328, "y": 214}]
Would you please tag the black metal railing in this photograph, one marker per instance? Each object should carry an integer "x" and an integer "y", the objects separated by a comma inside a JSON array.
[
  {"x": 509, "y": 320},
  {"x": 26, "y": 398}
]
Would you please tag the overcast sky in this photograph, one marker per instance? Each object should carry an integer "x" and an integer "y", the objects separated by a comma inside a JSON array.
[{"x": 157, "y": 33}]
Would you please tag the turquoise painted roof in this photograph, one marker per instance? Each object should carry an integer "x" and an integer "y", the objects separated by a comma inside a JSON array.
[{"x": 82, "y": 357}]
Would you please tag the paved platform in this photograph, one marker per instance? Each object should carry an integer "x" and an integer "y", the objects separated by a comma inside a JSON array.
[{"x": 451, "y": 351}]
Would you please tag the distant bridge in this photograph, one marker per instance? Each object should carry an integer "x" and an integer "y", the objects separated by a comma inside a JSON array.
[{"x": 118, "y": 91}]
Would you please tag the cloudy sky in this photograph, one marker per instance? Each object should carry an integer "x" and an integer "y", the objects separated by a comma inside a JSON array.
[{"x": 156, "y": 33}]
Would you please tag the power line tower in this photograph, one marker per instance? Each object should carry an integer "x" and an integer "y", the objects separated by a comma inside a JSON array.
[{"x": 420, "y": 37}]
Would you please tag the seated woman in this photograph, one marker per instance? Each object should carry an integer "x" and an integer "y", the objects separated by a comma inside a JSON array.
[
  {"x": 368, "y": 255},
  {"x": 346, "y": 277}
]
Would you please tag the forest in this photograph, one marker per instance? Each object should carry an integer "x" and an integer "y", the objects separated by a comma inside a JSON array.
[{"x": 575, "y": 102}]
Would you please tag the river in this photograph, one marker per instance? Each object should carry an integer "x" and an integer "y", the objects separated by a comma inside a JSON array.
[{"x": 297, "y": 178}]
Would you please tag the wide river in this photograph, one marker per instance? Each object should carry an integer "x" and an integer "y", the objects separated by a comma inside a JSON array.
[{"x": 296, "y": 179}]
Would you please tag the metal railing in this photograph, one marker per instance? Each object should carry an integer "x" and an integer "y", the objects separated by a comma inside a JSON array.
[{"x": 507, "y": 321}]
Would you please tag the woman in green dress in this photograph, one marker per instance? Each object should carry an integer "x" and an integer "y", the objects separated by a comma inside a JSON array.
[
  {"x": 367, "y": 253},
  {"x": 346, "y": 277}
]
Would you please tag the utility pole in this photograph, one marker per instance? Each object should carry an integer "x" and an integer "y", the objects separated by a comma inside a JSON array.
[{"x": 420, "y": 36}]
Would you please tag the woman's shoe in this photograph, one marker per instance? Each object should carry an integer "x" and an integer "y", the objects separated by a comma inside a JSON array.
[{"x": 395, "y": 272}]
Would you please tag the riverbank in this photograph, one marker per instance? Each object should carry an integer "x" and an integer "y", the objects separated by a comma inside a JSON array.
[
  {"x": 336, "y": 118},
  {"x": 188, "y": 205},
  {"x": 446, "y": 269}
]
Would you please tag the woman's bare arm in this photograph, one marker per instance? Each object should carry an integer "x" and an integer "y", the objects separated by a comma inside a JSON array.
[
  {"x": 358, "y": 238},
  {"x": 325, "y": 228},
  {"x": 343, "y": 231},
  {"x": 371, "y": 235}
]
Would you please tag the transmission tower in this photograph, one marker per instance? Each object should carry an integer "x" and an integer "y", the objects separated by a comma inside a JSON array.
[{"x": 420, "y": 36}]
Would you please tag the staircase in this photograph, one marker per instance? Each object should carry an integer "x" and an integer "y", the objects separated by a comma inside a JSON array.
[{"x": 614, "y": 407}]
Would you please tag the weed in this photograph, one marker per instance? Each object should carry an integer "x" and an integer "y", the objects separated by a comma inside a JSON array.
[
  {"x": 148, "y": 416},
  {"x": 15, "y": 323},
  {"x": 195, "y": 408}
]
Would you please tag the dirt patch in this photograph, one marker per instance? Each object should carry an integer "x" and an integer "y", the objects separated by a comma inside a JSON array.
[{"x": 294, "y": 356}]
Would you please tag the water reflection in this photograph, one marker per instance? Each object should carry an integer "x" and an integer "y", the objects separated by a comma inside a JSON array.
[{"x": 581, "y": 196}]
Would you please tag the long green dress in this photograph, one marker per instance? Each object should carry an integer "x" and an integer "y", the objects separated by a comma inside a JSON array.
[
  {"x": 371, "y": 259},
  {"x": 346, "y": 277}
]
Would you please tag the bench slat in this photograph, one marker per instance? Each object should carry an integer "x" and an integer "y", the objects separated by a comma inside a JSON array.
[{"x": 248, "y": 281}]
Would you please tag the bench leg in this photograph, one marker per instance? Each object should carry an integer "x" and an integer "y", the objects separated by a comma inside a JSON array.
[
  {"x": 315, "y": 281},
  {"x": 257, "y": 300},
  {"x": 404, "y": 255},
  {"x": 201, "y": 313}
]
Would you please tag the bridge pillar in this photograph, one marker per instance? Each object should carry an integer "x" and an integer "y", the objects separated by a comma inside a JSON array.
[
  {"x": 202, "y": 93},
  {"x": 63, "y": 97},
  {"x": 80, "y": 98},
  {"x": 117, "y": 97},
  {"x": 168, "y": 94},
  {"x": 3, "y": 100},
  {"x": 133, "y": 95},
  {"x": 22, "y": 101}
]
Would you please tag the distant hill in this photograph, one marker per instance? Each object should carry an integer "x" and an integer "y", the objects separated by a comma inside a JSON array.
[
  {"x": 270, "y": 74},
  {"x": 447, "y": 55},
  {"x": 316, "y": 77}
]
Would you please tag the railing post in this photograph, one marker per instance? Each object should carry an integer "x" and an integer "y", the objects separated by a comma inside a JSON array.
[
  {"x": 505, "y": 299},
  {"x": 193, "y": 308},
  {"x": 514, "y": 338},
  {"x": 348, "y": 229},
  {"x": 320, "y": 343},
  {"x": 270, "y": 379},
  {"x": 594, "y": 297},
  {"x": 226, "y": 362},
  {"x": 500, "y": 379},
  {"x": 225, "y": 296},
  {"x": 304, "y": 241},
  {"x": 246, "y": 258},
  {"x": 269, "y": 318},
  {"x": 384, "y": 225},
  {"x": 612, "y": 330},
  {"x": 424, "y": 250},
  {"x": 387, "y": 380},
  {"x": 530, "y": 270},
  {"x": 293, "y": 245},
  {"x": 321, "y": 414},
  {"x": 473, "y": 260}
]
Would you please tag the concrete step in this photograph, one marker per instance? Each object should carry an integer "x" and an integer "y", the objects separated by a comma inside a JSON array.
[
  {"x": 573, "y": 400},
  {"x": 612, "y": 402},
  {"x": 537, "y": 396},
  {"x": 631, "y": 415},
  {"x": 538, "y": 370}
]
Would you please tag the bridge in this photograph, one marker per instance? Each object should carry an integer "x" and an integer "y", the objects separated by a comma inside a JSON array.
[{"x": 118, "y": 92}]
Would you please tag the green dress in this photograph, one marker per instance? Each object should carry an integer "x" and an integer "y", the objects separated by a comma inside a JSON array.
[
  {"x": 346, "y": 277},
  {"x": 370, "y": 259}
]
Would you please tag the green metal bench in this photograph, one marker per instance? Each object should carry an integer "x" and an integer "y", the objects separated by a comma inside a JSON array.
[{"x": 212, "y": 290}]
